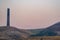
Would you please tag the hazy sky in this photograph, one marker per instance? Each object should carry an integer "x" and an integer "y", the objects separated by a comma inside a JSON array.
[{"x": 30, "y": 14}]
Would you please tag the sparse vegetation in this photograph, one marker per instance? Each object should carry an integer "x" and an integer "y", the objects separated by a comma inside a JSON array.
[{"x": 44, "y": 38}]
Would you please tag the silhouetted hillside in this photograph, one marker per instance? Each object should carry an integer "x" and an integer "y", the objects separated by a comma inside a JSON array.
[
  {"x": 53, "y": 30},
  {"x": 55, "y": 27},
  {"x": 33, "y": 31},
  {"x": 45, "y": 33}
]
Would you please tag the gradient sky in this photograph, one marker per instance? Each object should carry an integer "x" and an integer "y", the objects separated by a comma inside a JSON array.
[{"x": 30, "y": 14}]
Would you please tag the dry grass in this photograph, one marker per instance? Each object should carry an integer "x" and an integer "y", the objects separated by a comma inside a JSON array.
[{"x": 44, "y": 38}]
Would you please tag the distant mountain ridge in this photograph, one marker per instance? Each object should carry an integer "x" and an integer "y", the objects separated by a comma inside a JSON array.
[
  {"x": 53, "y": 30},
  {"x": 55, "y": 27}
]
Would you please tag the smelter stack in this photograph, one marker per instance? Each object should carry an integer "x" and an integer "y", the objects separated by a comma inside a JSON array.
[{"x": 8, "y": 17}]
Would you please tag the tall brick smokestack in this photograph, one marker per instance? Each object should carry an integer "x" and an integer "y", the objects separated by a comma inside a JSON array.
[{"x": 8, "y": 17}]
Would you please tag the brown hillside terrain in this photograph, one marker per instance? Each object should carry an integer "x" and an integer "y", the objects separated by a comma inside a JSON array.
[
  {"x": 11, "y": 33},
  {"x": 45, "y": 38}
]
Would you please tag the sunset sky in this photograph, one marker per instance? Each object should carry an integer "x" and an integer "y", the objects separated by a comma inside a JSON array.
[{"x": 30, "y": 14}]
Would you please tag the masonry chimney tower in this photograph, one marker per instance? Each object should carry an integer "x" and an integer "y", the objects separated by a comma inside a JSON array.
[{"x": 8, "y": 17}]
